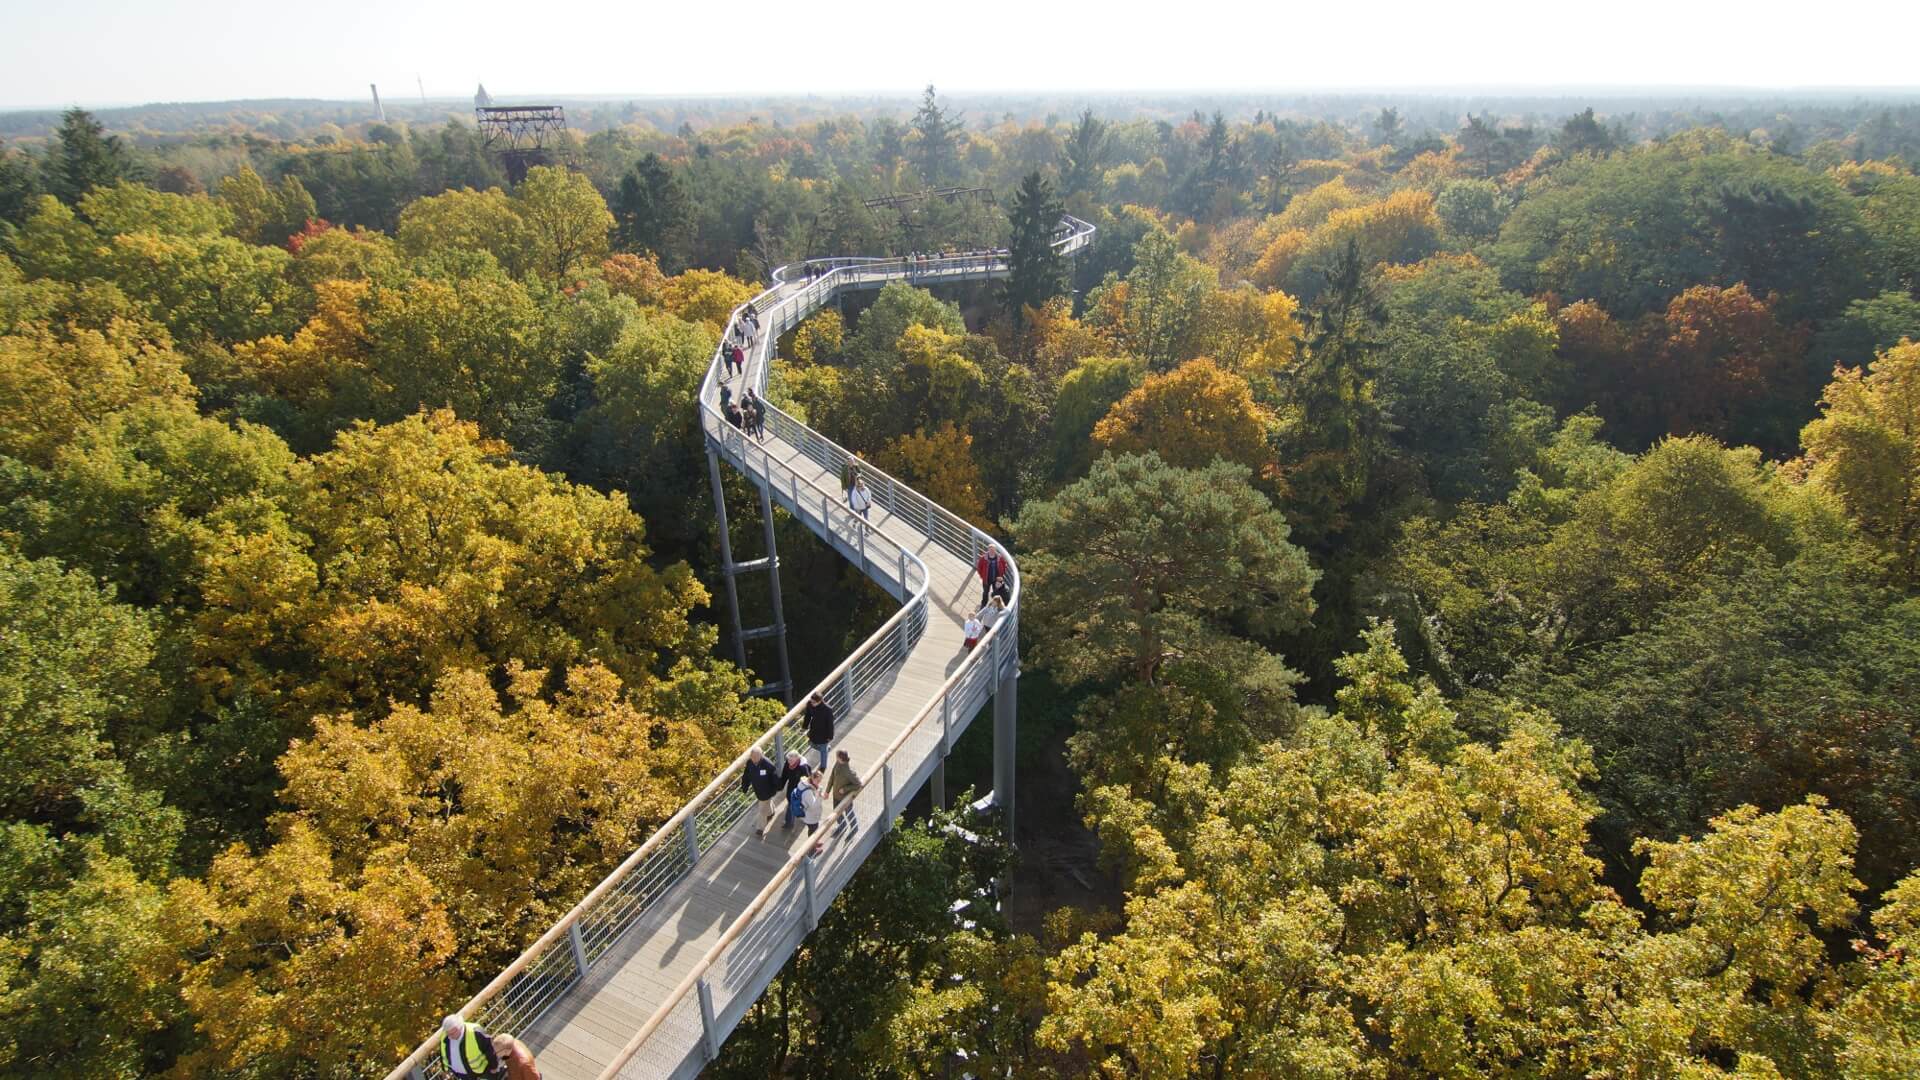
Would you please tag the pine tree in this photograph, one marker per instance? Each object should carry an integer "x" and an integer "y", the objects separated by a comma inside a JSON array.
[
  {"x": 86, "y": 158},
  {"x": 1037, "y": 271},
  {"x": 935, "y": 155},
  {"x": 1084, "y": 156}
]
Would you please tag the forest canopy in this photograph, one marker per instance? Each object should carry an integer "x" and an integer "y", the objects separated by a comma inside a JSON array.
[{"x": 1472, "y": 560}]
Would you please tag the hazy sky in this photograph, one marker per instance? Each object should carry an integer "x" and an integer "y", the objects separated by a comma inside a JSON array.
[{"x": 93, "y": 52}]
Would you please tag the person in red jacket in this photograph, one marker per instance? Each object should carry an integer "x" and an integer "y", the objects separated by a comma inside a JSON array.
[{"x": 990, "y": 565}]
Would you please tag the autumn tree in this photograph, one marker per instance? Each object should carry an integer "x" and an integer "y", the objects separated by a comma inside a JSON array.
[
  {"x": 1191, "y": 416},
  {"x": 1865, "y": 448},
  {"x": 1086, "y": 395},
  {"x": 939, "y": 464},
  {"x": 412, "y": 549},
  {"x": 567, "y": 221},
  {"x": 262, "y": 214}
]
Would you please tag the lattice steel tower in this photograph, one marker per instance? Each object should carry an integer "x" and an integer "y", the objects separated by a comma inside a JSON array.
[{"x": 518, "y": 133}]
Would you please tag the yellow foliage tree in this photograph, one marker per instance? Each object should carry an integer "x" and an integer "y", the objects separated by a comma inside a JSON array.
[
  {"x": 1865, "y": 448},
  {"x": 637, "y": 276},
  {"x": 52, "y": 385},
  {"x": 939, "y": 464},
  {"x": 820, "y": 338},
  {"x": 419, "y": 547},
  {"x": 705, "y": 296},
  {"x": 1190, "y": 416},
  {"x": 1250, "y": 332}
]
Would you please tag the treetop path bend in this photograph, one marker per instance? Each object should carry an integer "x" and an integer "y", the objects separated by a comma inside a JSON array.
[{"x": 647, "y": 975}]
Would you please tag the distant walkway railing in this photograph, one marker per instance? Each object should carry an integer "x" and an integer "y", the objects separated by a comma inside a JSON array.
[{"x": 516, "y": 998}]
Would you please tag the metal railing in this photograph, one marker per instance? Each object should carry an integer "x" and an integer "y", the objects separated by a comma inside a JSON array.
[{"x": 791, "y": 901}]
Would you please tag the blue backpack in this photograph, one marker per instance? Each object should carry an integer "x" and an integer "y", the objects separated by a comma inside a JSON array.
[{"x": 794, "y": 805}]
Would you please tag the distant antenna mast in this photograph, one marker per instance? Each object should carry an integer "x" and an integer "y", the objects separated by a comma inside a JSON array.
[
  {"x": 421, "y": 83},
  {"x": 378, "y": 109},
  {"x": 482, "y": 99}
]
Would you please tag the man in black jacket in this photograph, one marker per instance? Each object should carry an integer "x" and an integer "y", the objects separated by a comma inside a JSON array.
[
  {"x": 763, "y": 780},
  {"x": 819, "y": 716},
  {"x": 791, "y": 777}
]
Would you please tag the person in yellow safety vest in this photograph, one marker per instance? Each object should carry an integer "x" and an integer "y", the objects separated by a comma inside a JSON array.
[{"x": 468, "y": 1051}]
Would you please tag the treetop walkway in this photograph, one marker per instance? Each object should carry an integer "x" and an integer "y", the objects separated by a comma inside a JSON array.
[{"x": 651, "y": 970}]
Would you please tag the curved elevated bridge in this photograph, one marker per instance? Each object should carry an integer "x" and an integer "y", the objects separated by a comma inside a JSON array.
[{"x": 648, "y": 974}]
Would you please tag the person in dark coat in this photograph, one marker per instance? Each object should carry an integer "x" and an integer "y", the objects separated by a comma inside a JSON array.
[
  {"x": 990, "y": 565},
  {"x": 819, "y": 716},
  {"x": 1003, "y": 587},
  {"x": 791, "y": 777},
  {"x": 762, "y": 778}
]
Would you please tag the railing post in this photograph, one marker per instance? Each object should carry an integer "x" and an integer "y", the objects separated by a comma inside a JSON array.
[
  {"x": 812, "y": 899},
  {"x": 579, "y": 949},
  {"x": 846, "y": 688},
  {"x": 709, "y": 1029},
  {"x": 903, "y": 574},
  {"x": 946, "y": 724},
  {"x": 416, "y": 1073},
  {"x": 691, "y": 826},
  {"x": 886, "y": 793}
]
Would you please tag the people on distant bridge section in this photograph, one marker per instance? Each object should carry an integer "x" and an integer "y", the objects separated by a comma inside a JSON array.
[
  {"x": 791, "y": 777},
  {"x": 468, "y": 1051},
  {"x": 990, "y": 565},
  {"x": 820, "y": 718},
  {"x": 762, "y": 778}
]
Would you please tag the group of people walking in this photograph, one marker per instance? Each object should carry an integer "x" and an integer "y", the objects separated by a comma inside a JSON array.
[
  {"x": 733, "y": 351},
  {"x": 808, "y": 790},
  {"x": 749, "y": 414}
]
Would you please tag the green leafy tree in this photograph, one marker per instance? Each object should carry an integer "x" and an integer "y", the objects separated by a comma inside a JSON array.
[{"x": 1114, "y": 564}]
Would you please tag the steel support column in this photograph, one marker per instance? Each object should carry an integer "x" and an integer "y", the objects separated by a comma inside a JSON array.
[
  {"x": 726, "y": 557},
  {"x": 1004, "y": 729},
  {"x": 773, "y": 582}
]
